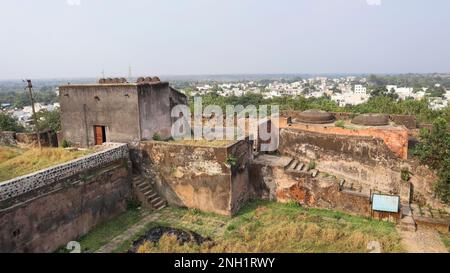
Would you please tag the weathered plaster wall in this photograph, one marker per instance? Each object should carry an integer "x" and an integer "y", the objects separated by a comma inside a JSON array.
[
  {"x": 113, "y": 106},
  {"x": 48, "y": 217},
  {"x": 241, "y": 190},
  {"x": 154, "y": 110},
  {"x": 365, "y": 162},
  {"x": 272, "y": 182},
  {"x": 395, "y": 138},
  {"x": 195, "y": 176},
  {"x": 7, "y": 138}
]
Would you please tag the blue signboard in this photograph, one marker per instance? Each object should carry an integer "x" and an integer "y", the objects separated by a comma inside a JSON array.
[{"x": 386, "y": 203}]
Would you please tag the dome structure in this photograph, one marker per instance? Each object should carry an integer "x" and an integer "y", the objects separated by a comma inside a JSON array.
[
  {"x": 315, "y": 116},
  {"x": 371, "y": 120}
]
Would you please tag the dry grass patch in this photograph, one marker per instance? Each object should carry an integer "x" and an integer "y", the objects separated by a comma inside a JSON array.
[
  {"x": 274, "y": 227},
  {"x": 16, "y": 162}
]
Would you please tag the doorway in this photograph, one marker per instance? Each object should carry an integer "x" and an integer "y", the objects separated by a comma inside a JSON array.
[{"x": 99, "y": 134}]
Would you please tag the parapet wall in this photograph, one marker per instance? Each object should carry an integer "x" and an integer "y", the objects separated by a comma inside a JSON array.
[
  {"x": 43, "y": 211},
  {"x": 27, "y": 183},
  {"x": 213, "y": 179}
]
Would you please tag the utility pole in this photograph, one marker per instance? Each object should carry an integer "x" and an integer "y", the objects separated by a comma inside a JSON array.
[{"x": 36, "y": 127}]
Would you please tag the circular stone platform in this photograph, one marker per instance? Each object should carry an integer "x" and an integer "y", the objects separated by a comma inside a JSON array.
[
  {"x": 315, "y": 116},
  {"x": 371, "y": 120}
]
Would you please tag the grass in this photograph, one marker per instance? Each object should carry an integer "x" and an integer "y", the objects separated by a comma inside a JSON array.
[
  {"x": 272, "y": 227},
  {"x": 446, "y": 239},
  {"x": 15, "y": 162},
  {"x": 104, "y": 233}
]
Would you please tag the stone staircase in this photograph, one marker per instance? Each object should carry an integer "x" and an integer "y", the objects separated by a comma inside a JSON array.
[
  {"x": 298, "y": 167},
  {"x": 295, "y": 166},
  {"x": 146, "y": 194},
  {"x": 407, "y": 222}
]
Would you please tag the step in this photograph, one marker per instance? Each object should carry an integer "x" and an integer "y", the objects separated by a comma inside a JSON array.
[
  {"x": 406, "y": 211},
  {"x": 292, "y": 166},
  {"x": 152, "y": 196},
  {"x": 341, "y": 184},
  {"x": 146, "y": 188},
  {"x": 143, "y": 185},
  {"x": 160, "y": 205},
  {"x": 290, "y": 163},
  {"x": 408, "y": 224},
  {"x": 138, "y": 181},
  {"x": 148, "y": 192},
  {"x": 155, "y": 200},
  {"x": 300, "y": 167},
  {"x": 136, "y": 178}
]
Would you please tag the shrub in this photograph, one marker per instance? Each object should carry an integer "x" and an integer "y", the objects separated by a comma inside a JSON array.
[
  {"x": 231, "y": 160},
  {"x": 405, "y": 174},
  {"x": 66, "y": 144},
  {"x": 156, "y": 137},
  {"x": 340, "y": 123},
  {"x": 311, "y": 165}
]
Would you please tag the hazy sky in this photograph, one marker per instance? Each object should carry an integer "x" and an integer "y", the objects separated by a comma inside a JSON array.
[{"x": 80, "y": 38}]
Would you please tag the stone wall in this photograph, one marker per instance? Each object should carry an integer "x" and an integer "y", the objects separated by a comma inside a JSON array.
[
  {"x": 28, "y": 183},
  {"x": 408, "y": 121},
  {"x": 272, "y": 182},
  {"x": 7, "y": 138},
  {"x": 395, "y": 137},
  {"x": 365, "y": 162},
  {"x": 48, "y": 139},
  {"x": 198, "y": 176},
  {"x": 44, "y": 211}
]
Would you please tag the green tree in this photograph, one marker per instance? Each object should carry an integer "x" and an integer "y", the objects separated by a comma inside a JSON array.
[
  {"x": 434, "y": 151},
  {"x": 9, "y": 123},
  {"x": 49, "y": 120}
]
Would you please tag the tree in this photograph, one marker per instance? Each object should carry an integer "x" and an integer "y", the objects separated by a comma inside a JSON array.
[
  {"x": 9, "y": 123},
  {"x": 434, "y": 151},
  {"x": 49, "y": 120}
]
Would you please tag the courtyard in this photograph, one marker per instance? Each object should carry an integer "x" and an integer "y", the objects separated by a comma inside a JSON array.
[{"x": 260, "y": 227}]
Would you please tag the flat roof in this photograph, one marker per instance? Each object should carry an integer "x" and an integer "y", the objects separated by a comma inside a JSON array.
[{"x": 112, "y": 84}]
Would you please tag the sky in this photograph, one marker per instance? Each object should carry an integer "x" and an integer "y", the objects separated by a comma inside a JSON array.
[{"x": 82, "y": 38}]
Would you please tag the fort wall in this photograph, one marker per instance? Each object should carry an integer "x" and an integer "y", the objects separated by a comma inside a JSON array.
[
  {"x": 43, "y": 211},
  {"x": 213, "y": 179},
  {"x": 273, "y": 182},
  {"x": 365, "y": 162}
]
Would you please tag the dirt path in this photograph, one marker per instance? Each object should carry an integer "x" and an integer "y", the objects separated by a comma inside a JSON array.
[
  {"x": 117, "y": 241},
  {"x": 425, "y": 240}
]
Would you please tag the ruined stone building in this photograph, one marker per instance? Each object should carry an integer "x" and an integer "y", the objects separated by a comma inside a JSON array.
[
  {"x": 325, "y": 160},
  {"x": 117, "y": 111}
]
